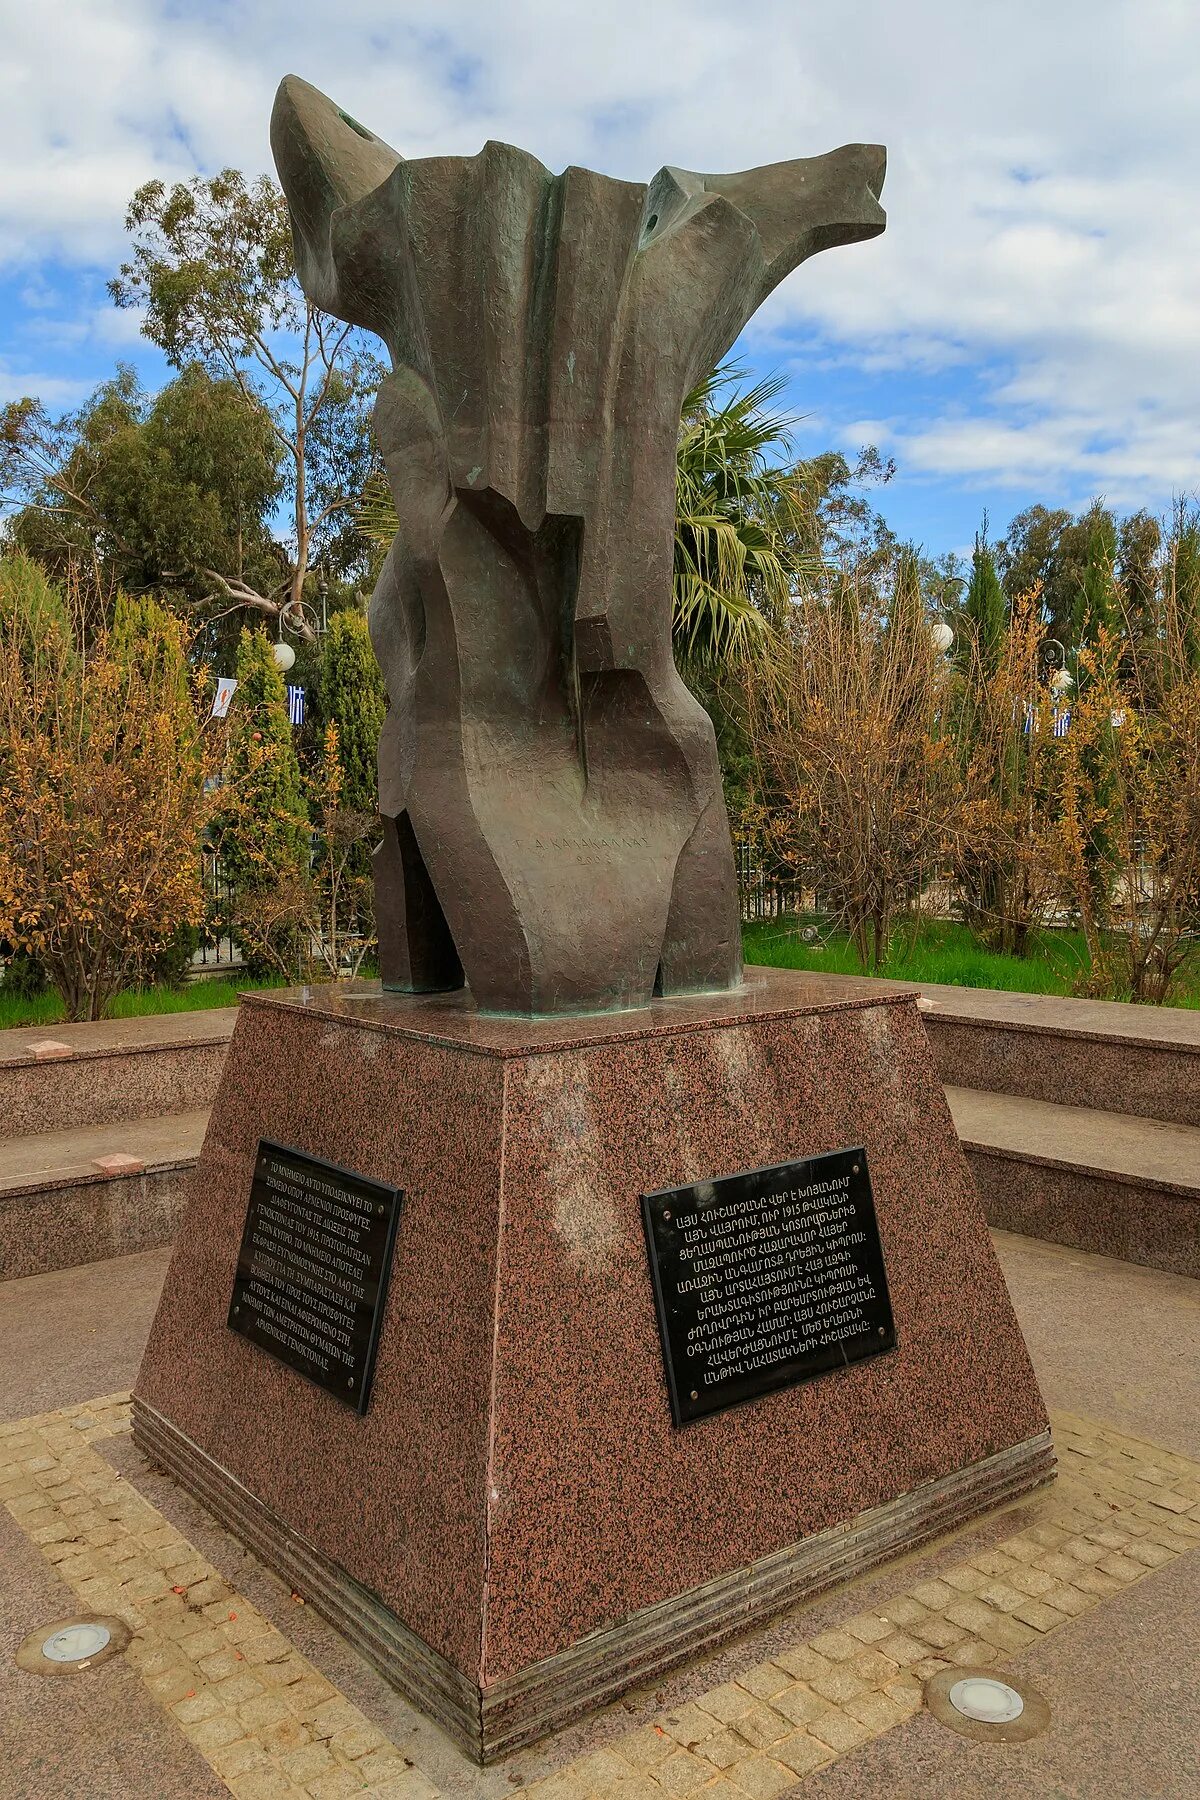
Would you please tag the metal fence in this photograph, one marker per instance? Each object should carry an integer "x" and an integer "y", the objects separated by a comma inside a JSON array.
[
  {"x": 215, "y": 949},
  {"x": 766, "y": 890}
]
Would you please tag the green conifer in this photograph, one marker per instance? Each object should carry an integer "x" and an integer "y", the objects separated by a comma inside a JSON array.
[
  {"x": 351, "y": 697},
  {"x": 263, "y": 828},
  {"x": 986, "y": 605}
]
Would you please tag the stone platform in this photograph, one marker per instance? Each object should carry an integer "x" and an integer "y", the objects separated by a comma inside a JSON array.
[
  {"x": 232, "y": 1686},
  {"x": 515, "y": 1531}
]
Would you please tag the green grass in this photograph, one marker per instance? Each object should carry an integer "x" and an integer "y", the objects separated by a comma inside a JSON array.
[
  {"x": 134, "y": 1003},
  {"x": 937, "y": 951}
]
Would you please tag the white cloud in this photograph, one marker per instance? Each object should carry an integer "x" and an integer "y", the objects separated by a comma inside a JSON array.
[
  {"x": 1043, "y": 233},
  {"x": 118, "y": 326},
  {"x": 56, "y": 392}
]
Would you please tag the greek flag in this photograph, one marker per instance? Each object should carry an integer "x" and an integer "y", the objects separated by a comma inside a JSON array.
[
  {"x": 1062, "y": 722},
  {"x": 295, "y": 700}
]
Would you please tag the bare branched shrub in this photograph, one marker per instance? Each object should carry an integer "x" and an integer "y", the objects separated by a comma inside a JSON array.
[
  {"x": 851, "y": 737},
  {"x": 1129, "y": 839},
  {"x": 1003, "y": 837}
]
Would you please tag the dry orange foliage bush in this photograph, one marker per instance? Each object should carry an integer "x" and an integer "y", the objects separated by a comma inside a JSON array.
[
  {"x": 1128, "y": 844},
  {"x": 850, "y": 733},
  {"x": 1003, "y": 848},
  {"x": 893, "y": 778},
  {"x": 103, "y": 759}
]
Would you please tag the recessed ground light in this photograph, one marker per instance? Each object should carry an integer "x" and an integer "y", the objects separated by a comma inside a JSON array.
[
  {"x": 978, "y": 1704},
  {"x": 69, "y": 1646},
  {"x": 979, "y": 1697}
]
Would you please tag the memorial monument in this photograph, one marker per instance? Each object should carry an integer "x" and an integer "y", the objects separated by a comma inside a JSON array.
[
  {"x": 565, "y": 1302},
  {"x": 555, "y": 830}
]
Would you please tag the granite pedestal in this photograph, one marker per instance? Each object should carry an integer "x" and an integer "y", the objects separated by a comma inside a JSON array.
[{"x": 515, "y": 1531}]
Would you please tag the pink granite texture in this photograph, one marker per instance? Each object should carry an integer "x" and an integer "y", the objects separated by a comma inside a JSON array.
[
  {"x": 108, "y": 1072},
  {"x": 57, "y": 1224},
  {"x": 517, "y": 1482},
  {"x": 1145, "y": 1222},
  {"x": 1048, "y": 1058}
]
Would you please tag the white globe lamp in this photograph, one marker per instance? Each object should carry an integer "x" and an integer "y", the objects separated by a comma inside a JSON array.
[
  {"x": 942, "y": 635},
  {"x": 1061, "y": 680},
  {"x": 284, "y": 655}
]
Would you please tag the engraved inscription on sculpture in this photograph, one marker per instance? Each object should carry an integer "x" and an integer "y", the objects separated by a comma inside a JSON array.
[
  {"x": 767, "y": 1278},
  {"x": 312, "y": 1270}
]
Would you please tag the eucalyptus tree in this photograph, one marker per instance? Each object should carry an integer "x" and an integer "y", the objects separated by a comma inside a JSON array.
[
  {"x": 145, "y": 492},
  {"x": 211, "y": 269}
]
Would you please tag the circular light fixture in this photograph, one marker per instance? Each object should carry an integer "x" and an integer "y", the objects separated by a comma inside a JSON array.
[
  {"x": 978, "y": 1705},
  {"x": 942, "y": 634},
  {"x": 75, "y": 1643},
  {"x": 285, "y": 656},
  {"x": 69, "y": 1646},
  {"x": 992, "y": 1702},
  {"x": 1061, "y": 679}
]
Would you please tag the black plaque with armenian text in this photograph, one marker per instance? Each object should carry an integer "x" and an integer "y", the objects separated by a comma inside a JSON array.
[
  {"x": 765, "y": 1279},
  {"x": 313, "y": 1268}
]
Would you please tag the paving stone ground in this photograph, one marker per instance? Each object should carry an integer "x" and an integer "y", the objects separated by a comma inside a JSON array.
[{"x": 218, "y": 1678}]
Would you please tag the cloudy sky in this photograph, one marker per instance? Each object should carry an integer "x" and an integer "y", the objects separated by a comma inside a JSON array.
[{"x": 1027, "y": 328}]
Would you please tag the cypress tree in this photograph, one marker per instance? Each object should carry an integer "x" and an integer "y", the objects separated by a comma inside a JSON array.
[
  {"x": 1139, "y": 567},
  {"x": 30, "y": 604},
  {"x": 263, "y": 829},
  {"x": 151, "y": 642},
  {"x": 149, "y": 638},
  {"x": 351, "y": 693},
  {"x": 1183, "y": 567},
  {"x": 1093, "y": 607},
  {"x": 985, "y": 607}
]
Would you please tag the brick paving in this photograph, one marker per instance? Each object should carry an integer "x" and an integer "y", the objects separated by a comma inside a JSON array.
[{"x": 272, "y": 1727}]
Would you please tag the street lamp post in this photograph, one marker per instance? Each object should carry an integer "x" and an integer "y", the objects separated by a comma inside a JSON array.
[
  {"x": 941, "y": 631},
  {"x": 1052, "y": 666}
]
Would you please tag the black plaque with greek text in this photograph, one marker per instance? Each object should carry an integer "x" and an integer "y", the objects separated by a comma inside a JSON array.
[
  {"x": 313, "y": 1268},
  {"x": 765, "y": 1279}
]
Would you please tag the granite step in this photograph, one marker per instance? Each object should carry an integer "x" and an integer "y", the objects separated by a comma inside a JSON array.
[
  {"x": 109, "y": 1072},
  {"x": 76, "y": 1196},
  {"x": 1090, "y": 1054},
  {"x": 1114, "y": 1183},
  {"x": 1102, "y": 1054}
]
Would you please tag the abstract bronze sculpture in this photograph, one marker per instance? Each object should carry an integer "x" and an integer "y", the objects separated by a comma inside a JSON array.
[{"x": 555, "y": 832}]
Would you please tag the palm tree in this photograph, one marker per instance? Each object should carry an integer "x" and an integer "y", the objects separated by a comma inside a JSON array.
[
  {"x": 738, "y": 522},
  {"x": 739, "y": 519}
]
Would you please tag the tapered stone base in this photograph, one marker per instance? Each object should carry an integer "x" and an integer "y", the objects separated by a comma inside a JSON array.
[
  {"x": 494, "y": 1722},
  {"x": 515, "y": 1531}
]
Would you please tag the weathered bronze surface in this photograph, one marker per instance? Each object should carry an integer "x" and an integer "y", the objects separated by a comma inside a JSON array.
[{"x": 555, "y": 832}]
